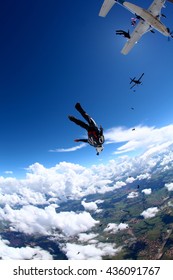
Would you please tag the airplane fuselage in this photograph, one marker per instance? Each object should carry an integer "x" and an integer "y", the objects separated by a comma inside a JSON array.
[
  {"x": 136, "y": 82},
  {"x": 148, "y": 17}
]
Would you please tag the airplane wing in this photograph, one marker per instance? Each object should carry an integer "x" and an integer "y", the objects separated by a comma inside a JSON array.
[
  {"x": 141, "y": 28},
  {"x": 141, "y": 77},
  {"x": 133, "y": 86},
  {"x": 156, "y": 6},
  {"x": 105, "y": 8}
]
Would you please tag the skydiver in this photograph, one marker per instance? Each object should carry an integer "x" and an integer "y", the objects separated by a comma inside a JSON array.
[
  {"x": 133, "y": 21},
  {"x": 138, "y": 17},
  {"x": 124, "y": 33},
  {"x": 95, "y": 134}
]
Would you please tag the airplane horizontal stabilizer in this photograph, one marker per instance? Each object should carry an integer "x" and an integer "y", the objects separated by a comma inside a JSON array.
[{"x": 107, "y": 5}]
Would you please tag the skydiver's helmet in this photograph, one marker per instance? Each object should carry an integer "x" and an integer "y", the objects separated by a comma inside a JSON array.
[{"x": 99, "y": 149}]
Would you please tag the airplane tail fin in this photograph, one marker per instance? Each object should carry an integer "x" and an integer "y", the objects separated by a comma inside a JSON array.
[{"x": 105, "y": 8}]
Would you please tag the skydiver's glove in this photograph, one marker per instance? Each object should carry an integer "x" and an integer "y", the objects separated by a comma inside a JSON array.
[{"x": 76, "y": 140}]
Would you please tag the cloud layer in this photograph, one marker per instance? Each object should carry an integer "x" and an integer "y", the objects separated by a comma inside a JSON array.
[
  {"x": 150, "y": 212},
  {"x": 144, "y": 138},
  {"x": 31, "y": 205},
  {"x": 133, "y": 195},
  {"x": 33, "y": 220},
  {"x": 72, "y": 149},
  {"x": 90, "y": 251},
  {"x": 27, "y": 253},
  {"x": 169, "y": 186},
  {"x": 113, "y": 228},
  {"x": 147, "y": 191}
]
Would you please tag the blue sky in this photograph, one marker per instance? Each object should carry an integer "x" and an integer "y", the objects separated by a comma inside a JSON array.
[{"x": 56, "y": 53}]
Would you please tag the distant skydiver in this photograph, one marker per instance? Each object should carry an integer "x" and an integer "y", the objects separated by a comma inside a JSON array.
[
  {"x": 133, "y": 21},
  {"x": 95, "y": 135},
  {"x": 124, "y": 33}
]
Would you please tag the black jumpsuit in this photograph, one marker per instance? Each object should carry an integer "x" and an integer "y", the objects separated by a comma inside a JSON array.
[{"x": 95, "y": 135}]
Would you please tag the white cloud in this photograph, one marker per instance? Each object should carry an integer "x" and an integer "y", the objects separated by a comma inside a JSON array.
[
  {"x": 72, "y": 149},
  {"x": 119, "y": 184},
  {"x": 93, "y": 241},
  {"x": 90, "y": 206},
  {"x": 166, "y": 168},
  {"x": 145, "y": 138},
  {"x": 83, "y": 237},
  {"x": 169, "y": 186},
  {"x": 143, "y": 176},
  {"x": 56, "y": 184},
  {"x": 99, "y": 211},
  {"x": 8, "y": 172},
  {"x": 132, "y": 195},
  {"x": 150, "y": 140},
  {"x": 10, "y": 199},
  {"x": 24, "y": 253},
  {"x": 32, "y": 220},
  {"x": 90, "y": 251},
  {"x": 113, "y": 228},
  {"x": 59, "y": 182},
  {"x": 167, "y": 158},
  {"x": 150, "y": 212},
  {"x": 99, "y": 201},
  {"x": 147, "y": 191},
  {"x": 130, "y": 180},
  {"x": 24, "y": 197}
]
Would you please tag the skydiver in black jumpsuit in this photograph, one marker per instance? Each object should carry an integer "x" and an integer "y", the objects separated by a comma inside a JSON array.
[{"x": 95, "y": 134}]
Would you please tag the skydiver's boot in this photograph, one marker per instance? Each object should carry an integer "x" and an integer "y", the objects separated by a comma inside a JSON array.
[
  {"x": 85, "y": 115},
  {"x": 78, "y": 122},
  {"x": 79, "y": 108},
  {"x": 71, "y": 118}
]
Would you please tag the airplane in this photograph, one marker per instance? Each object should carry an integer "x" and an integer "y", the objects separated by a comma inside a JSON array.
[
  {"x": 149, "y": 19},
  {"x": 136, "y": 81}
]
